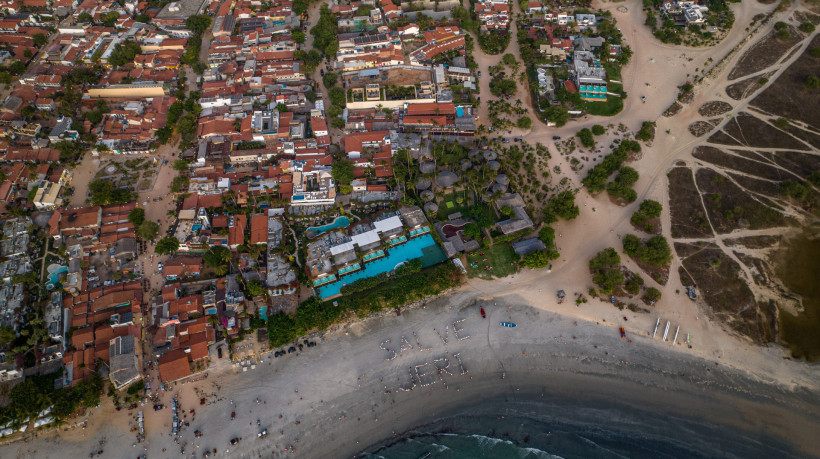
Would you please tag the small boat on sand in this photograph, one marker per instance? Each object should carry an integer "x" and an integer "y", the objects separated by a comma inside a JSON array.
[
  {"x": 483, "y": 314},
  {"x": 507, "y": 324}
]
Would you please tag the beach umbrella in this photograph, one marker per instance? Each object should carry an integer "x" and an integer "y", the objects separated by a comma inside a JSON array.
[
  {"x": 431, "y": 207},
  {"x": 490, "y": 155},
  {"x": 466, "y": 164},
  {"x": 502, "y": 179},
  {"x": 494, "y": 165},
  {"x": 427, "y": 195}
]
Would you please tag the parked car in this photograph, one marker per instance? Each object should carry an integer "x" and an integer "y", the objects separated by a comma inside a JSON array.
[
  {"x": 322, "y": 72},
  {"x": 556, "y": 137},
  {"x": 517, "y": 139},
  {"x": 479, "y": 73}
]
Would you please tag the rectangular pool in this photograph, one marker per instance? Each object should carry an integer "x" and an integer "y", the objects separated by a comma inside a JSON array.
[{"x": 423, "y": 247}]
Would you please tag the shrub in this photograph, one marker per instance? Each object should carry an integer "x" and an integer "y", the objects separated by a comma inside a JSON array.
[
  {"x": 652, "y": 294},
  {"x": 815, "y": 52},
  {"x": 547, "y": 235},
  {"x": 647, "y": 131},
  {"x": 596, "y": 178},
  {"x": 535, "y": 260},
  {"x": 620, "y": 191},
  {"x": 561, "y": 205},
  {"x": 806, "y": 27},
  {"x": 632, "y": 244},
  {"x": 781, "y": 122},
  {"x": 597, "y": 129},
  {"x": 648, "y": 210},
  {"x": 586, "y": 137},
  {"x": 633, "y": 285},
  {"x": 813, "y": 82},
  {"x": 627, "y": 176}
]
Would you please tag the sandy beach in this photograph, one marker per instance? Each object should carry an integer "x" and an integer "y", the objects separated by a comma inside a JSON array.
[{"x": 345, "y": 395}]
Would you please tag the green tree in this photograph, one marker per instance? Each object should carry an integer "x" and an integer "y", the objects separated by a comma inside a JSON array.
[
  {"x": 298, "y": 37},
  {"x": 148, "y": 230},
  {"x": 652, "y": 294},
  {"x": 28, "y": 112},
  {"x": 84, "y": 18},
  {"x": 627, "y": 176},
  {"x": 547, "y": 235},
  {"x": 607, "y": 258},
  {"x": 597, "y": 129},
  {"x": 586, "y": 138},
  {"x": 69, "y": 151},
  {"x": 300, "y": 6},
  {"x": 281, "y": 329},
  {"x": 648, "y": 210},
  {"x": 556, "y": 114},
  {"x": 39, "y": 39},
  {"x": 330, "y": 79},
  {"x": 508, "y": 59},
  {"x": 198, "y": 24},
  {"x": 472, "y": 231},
  {"x": 255, "y": 288},
  {"x": 647, "y": 131},
  {"x": 525, "y": 122},
  {"x": 218, "y": 257},
  {"x": 561, "y": 205},
  {"x": 342, "y": 171},
  {"x": 535, "y": 260},
  {"x": 632, "y": 244},
  {"x": 324, "y": 32},
  {"x": 813, "y": 82},
  {"x": 656, "y": 251},
  {"x": 181, "y": 165},
  {"x": 167, "y": 245},
  {"x": 502, "y": 86},
  {"x": 337, "y": 96},
  {"x": 806, "y": 27},
  {"x": 180, "y": 183},
  {"x": 136, "y": 216},
  {"x": 103, "y": 192},
  {"x": 7, "y": 335}
]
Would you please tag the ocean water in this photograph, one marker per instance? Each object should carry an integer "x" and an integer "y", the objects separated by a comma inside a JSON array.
[{"x": 555, "y": 431}]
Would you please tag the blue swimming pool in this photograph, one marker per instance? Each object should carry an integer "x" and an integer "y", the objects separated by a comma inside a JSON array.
[
  {"x": 340, "y": 222},
  {"x": 423, "y": 247},
  {"x": 54, "y": 277}
]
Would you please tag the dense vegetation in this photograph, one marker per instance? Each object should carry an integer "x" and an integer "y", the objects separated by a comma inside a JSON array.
[
  {"x": 325, "y": 32},
  {"x": 620, "y": 187},
  {"x": 648, "y": 210},
  {"x": 27, "y": 399},
  {"x": 596, "y": 178},
  {"x": 655, "y": 250},
  {"x": 313, "y": 314},
  {"x": 561, "y": 205},
  {"x": 606, "y": 270}
]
